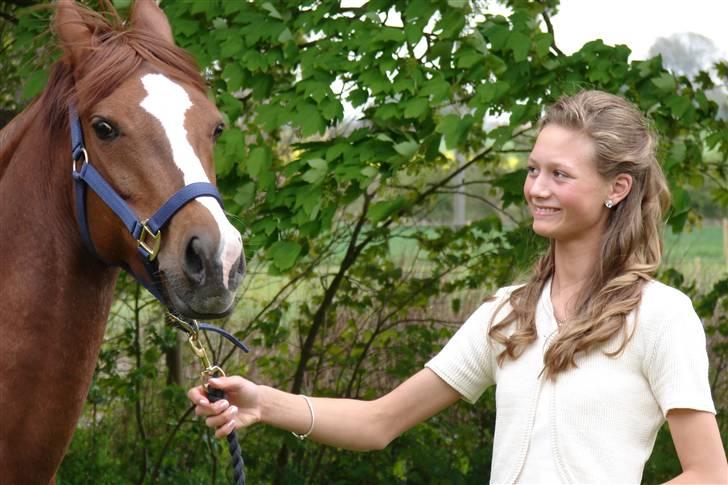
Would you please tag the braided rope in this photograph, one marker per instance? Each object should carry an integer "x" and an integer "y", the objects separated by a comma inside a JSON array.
[
  {"x": 233, "y": 446},
  {"x": 237, "y": 457}
]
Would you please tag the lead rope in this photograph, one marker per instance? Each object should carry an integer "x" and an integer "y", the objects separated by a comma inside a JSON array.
[{"x": 192, "y": 329}]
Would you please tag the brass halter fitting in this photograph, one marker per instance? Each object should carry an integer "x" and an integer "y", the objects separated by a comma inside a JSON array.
[
  {"x": 192, "y": 329},
  {"x": 209, "y": 369}
]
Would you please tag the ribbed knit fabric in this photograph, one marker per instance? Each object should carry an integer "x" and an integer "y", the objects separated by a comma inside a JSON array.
[{"x": 604, "y": 415}]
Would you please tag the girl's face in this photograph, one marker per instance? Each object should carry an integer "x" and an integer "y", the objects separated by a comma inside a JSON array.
[{"x": 564, "y": 191}]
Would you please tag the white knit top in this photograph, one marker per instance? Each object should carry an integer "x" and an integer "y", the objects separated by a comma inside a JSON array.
[{"x": 603, "y": 416}]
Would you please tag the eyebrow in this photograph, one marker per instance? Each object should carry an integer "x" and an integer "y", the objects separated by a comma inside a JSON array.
[{"x": 554, "y": 164}]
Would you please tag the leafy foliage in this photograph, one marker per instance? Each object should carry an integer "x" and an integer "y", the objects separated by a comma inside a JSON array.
[{"x": 348, "y": 132}]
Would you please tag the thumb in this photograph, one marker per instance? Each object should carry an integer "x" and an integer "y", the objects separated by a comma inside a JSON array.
[{"x": 221, "y": 383}]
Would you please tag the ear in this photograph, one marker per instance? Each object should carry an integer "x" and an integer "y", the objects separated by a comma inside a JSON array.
[
  {"x": 147, "y": 17},
  {"x": 620, "y": 188},
  {"x": 71, "y": 30}
]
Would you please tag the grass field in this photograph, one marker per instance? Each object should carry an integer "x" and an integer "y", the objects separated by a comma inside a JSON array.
[{"x": 698, "y": 254}]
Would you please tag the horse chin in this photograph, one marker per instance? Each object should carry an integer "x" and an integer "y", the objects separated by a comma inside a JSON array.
[
  {"x": 201, "y": 310},
  {"x": 199, "y": 305}
]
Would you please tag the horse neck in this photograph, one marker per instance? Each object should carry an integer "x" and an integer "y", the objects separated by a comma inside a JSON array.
[
  {"x": 10, "y": 136},
  {"x": 54, "y": 301},
  {"x": 43, "y": 243}
]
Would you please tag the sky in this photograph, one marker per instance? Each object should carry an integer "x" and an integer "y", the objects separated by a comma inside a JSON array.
[{"x": 638, "y": 23}]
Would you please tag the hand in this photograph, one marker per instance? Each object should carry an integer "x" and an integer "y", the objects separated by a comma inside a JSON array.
[{"x": 239, "y": 409}]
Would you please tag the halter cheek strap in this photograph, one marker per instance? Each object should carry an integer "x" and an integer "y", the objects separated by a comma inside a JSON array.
[{"x": 148, "y": 232}]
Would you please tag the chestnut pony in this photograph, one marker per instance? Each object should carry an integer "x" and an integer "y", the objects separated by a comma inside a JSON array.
[{"x": 149, "y": 131}]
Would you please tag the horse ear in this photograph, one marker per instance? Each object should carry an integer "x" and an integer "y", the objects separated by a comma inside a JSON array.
[
  {"x": 72, "y": 31},
  {"x": 148, "y": 17}
]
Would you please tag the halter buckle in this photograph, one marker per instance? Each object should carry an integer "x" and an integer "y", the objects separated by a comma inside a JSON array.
[
  {"x": 78, "y": 158},
  {"x": 149, "y": 241}
]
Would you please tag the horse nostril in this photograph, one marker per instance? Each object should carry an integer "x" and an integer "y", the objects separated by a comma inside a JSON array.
[
  {"x": 194, "y": 266},
  {"x": 241, "y": 266}
]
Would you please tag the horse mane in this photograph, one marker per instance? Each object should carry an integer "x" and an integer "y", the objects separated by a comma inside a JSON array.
[{"x": 116, "y": 52}]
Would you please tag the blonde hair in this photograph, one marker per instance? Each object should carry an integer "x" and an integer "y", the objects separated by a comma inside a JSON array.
[{"x": 631, "y": 247}]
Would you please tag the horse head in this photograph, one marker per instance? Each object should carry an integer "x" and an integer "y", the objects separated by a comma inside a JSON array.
[{"x": 149, "y": 130}]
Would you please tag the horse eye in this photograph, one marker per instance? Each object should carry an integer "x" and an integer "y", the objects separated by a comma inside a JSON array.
[
  {"x": 104, "y": 130},
  {"x": 218, "y": 131}
]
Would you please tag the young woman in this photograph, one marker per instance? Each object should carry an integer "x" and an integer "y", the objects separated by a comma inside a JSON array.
[{"x": 589, "y": 357}]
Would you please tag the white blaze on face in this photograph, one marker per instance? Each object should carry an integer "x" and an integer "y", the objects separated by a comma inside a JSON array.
[{"x": 168, "y": 102}]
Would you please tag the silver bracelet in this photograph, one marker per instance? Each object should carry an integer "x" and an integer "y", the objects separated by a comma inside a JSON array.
[{"x": 313, "y": 421}]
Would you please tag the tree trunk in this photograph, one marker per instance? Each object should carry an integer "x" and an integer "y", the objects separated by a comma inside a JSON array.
[{"x": 173, "y": 357}]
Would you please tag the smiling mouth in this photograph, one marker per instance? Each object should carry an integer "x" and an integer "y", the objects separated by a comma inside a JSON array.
[{"x": 544, "y": 211}]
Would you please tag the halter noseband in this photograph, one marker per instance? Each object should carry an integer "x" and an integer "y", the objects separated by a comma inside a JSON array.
[{"x": 148, "y": 232}]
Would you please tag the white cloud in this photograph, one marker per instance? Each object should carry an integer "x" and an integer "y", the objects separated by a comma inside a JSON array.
[{"x": 638, "y": 23}]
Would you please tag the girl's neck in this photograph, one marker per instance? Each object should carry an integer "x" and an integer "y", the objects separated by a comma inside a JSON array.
[{"x": 574, "y": 263}]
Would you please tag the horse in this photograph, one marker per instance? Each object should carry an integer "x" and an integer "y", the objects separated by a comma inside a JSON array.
[{"x": 139, "y": 103}]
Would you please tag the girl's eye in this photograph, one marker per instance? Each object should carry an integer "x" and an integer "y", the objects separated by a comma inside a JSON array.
[
  {"x": 531, "y": 170},
  {"x": 560, "y": 175}
]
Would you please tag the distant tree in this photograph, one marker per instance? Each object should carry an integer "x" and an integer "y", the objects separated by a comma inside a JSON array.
[
  {"x": 686, "y": 53},
  {"x": 694, "y": 56}
]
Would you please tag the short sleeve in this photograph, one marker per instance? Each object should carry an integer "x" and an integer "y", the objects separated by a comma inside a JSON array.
[
  {"x": 466, "y": 362},
  {"x": 677, "y": 367}
]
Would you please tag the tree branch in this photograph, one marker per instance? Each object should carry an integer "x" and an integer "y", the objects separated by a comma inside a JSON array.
[
  {"x": 550, "y": 28},
  {"x": 9, "y": 18},
  {"x": 482, "y": 199},
  {"x": 352, "y": 252}
]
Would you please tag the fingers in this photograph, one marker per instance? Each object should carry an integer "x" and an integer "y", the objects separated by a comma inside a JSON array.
[
  {"x": 206, "y": 408},
  {"x": 219, "y": 415},
  {"x": 226, "y": 429},
  {"x": 222, "y": 418},
  {"x": 197, "y": 395},
  {"x": 225, "y": 422},
  {"x": 203, "y": 407}
]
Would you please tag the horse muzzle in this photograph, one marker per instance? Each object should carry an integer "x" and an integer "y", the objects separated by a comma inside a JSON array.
[{"x": 202, "y": 280}]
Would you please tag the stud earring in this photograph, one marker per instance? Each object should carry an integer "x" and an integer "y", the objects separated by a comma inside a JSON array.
[{"x": 609, "y": 204}]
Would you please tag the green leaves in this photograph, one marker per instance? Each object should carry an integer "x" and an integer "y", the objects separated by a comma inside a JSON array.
[
  {"x": 306, "y": 115},
  {"x": 519, "y": 44},
  {"x": 382, "y": 210},
  {"x": 407, "y": 148},
  {"x": 317, "y": 172},
  {"x": 232, "y": 46},
  {"x": 416, "y": 107},
  {"x": 258, "y": 161},
  {"x": 665, "y": 83},
  {"x": 34, "y": 84},
  {"x": 454, "y": 129},
  {"x": 511, "y": 184},
  {"x": 283, "y": 254}
]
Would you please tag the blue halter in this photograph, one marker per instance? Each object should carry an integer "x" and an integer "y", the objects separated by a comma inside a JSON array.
[{"x": 148, "y": 232}]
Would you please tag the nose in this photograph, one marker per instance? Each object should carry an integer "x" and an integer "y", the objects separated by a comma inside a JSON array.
[
  {"x": 203, "y": 267},
  {"x": 198, "y": 261},
  {"x": 237, "y": 272},
  {"x": 537, "y": 187}
]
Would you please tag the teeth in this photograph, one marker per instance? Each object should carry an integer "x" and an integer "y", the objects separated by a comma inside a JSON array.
[{"x": 545, "y": 210}]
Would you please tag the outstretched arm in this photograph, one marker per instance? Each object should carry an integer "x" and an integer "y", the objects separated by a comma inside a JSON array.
[{"x": 344, "y": 423}]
